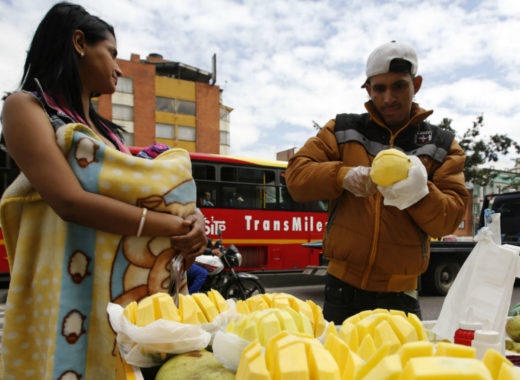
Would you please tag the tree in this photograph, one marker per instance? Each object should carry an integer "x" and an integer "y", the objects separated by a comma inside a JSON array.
[{"x": 480, "y": 151}]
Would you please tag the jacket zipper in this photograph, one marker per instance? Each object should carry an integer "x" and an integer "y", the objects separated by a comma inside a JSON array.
[{"x": 377, "y": 220}]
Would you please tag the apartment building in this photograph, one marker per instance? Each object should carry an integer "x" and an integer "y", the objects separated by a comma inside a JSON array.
[{"x": 158, "y": 100}]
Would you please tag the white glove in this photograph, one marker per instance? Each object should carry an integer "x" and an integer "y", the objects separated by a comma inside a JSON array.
[
  {"x": 405, "y": 193},
  {"x": 358, "y": 181}
]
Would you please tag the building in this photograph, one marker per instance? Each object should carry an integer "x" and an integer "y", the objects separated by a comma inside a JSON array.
[{"x": 168, "y": 102}]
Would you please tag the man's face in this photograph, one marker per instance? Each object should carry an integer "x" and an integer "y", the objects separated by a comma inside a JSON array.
[{"x": 392, "y": 95}]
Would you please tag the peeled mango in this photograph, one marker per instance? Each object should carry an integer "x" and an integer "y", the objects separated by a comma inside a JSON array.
[
  {"x": 307, "y": 308},
  {"x": 193, "y": 309},
  {"x": 513, "y": 328},
  {"x": 195, "y": 365},
  {"x": 389, "y": 166}
]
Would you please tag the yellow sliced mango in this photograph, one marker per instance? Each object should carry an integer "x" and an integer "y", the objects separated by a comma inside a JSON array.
[
  {"x": 219, "y": 301},
  {"x": 204, "y": 303},
  {"x": 129, "y": 311},
  {"x": 454, "y": 350},
  {"x": 367, "y": 348},
  {"x": 494, "y": 361},
  {"x": 445, "y": 368},
  {"x": 414, "y": 350}
]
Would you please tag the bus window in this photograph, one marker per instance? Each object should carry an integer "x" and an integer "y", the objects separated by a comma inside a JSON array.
[
  {"x": 287, "y": 203},
  {"x": 203, "y": 172}
]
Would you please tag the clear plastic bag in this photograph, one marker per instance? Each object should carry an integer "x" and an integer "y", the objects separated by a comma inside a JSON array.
[{"x": 146, "y": 346}]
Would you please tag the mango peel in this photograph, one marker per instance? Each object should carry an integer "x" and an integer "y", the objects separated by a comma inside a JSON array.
[{"x": 390, "y": 166}]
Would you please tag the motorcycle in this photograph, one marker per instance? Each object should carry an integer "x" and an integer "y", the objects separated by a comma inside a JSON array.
[{"x": 220, "y": 262}]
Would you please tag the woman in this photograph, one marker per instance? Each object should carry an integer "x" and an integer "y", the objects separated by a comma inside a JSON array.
[{"x": 72, "y": 57}]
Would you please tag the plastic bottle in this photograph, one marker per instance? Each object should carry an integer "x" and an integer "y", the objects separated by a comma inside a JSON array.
[
  {"x": 466, "y": 332},
  {"x": 486, "y": 339}
]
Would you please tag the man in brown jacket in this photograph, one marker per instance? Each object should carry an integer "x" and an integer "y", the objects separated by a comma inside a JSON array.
[{"x": 377, "y": 238}]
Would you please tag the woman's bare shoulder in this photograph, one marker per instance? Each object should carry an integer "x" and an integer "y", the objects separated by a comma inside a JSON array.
[
  {"x": 21, "y": 106},
  {"x": 20, "y": 99}
]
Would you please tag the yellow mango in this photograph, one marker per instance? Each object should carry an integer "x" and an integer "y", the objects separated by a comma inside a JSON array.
[
  {"x": 508, "y": 372},
  {"x": 129, "y": 311},
  {"x": 414, "y": 350},
  {"x": 494, "y": 361},
  {"x": 383, "y": 333},
  {"x": 366, "y": 348},
  {"x": 454, "y": 350},
  {"x": 302, "y": 307},
  {"x": 352, "y": 366},
  {"x": 348, "y": 332},
  {"x": 286, "y": 320},
  {"x": 446, "y": 368},
  {"x": 367, "y": 324},
  {"x": 219, "y": 301},
  {"x": 302, "y": 322},
  {"x": 242, "y": 307},
  {"x": 319, "y": 322},
  {"x": 388, "y": 368},
  {"x": 165, "y": 307},
  {"x": 322, "y": 365},
  {"x": 145, "y": 312},
  {"x": 268, "y": 327},
  {"x": 337, "y": 348},
  {"x": 404, "y": 330},
  {"x": 268, "y": 298},
  {"x": 257, "y": 302},
  {"x": 419, "y": 328},
  {"x": 252, "y": 364},
  {"x": 189, "y": 312},
  {"x": 389, "y": 166},
  {"x": 375, "y": 358},
  {"x": 292, "y": 363},
  {"x": 204, "y": 303},
  {"x": 280, "y": 301}
]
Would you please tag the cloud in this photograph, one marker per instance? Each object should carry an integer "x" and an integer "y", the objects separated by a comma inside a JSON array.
[{"x": 286, "y": 63}]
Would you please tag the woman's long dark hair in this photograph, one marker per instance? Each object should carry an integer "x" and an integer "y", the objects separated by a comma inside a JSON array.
[{"x": 53, "y": 60}]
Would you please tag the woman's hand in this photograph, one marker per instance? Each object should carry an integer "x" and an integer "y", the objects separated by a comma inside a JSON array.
[{"x": 193, "y": 243}]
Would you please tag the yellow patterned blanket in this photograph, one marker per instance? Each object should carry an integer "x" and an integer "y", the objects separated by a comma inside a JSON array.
[{"x": 63, "y": 275}]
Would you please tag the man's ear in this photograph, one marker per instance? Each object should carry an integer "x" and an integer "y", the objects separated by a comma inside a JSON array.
[
  {"x": 417, "y": 81},
  {"x": 369, "y": 89},
  {"x": 78, "y": 41}
]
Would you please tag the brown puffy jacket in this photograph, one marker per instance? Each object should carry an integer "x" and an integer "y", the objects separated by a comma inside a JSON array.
[{"x": 369, "y": 245}]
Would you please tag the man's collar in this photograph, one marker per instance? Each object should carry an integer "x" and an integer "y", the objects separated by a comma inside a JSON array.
[{"x": 418, "y": 115}]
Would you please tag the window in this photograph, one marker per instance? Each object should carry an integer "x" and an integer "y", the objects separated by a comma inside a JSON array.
[
  {"x": 233, "y": 174},
  {"x": 185, "y": 107},
  {"x": 164, "y": 104},
  {"x": 129, "y": 138},
  {"x": 121, "y": 112},
  {"x": 125, "y": 85},
  {"x": 186, "y": 133},
  {"x": 203, "y": 172},
  {"x": 165, "y": 131},
  {"x": 224, "y": 138},
  {"x": 175, "y": 106}
]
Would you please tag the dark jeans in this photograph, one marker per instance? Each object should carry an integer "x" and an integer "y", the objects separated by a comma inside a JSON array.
[{"x": 343, "y": 300}]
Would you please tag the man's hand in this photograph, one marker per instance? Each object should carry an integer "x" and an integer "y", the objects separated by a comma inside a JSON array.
[
  {"x": 409, "y": 191},
  {"x": 358, "y": 182},
  {"x": 193, "y": 243}
]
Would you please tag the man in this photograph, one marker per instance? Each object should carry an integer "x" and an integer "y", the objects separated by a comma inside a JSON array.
[
  {"x": 377, "y": 238},
  {"x": 206, "y": 201}
]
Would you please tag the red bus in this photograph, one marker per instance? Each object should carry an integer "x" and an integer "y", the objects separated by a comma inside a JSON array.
[{"x": 248, "y": 201}]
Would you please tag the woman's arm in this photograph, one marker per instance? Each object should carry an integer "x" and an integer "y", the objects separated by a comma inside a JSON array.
[{"x": 31, "y": 142}]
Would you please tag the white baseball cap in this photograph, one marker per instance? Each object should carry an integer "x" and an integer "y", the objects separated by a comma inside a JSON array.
[{"x": 379, "y": 60}]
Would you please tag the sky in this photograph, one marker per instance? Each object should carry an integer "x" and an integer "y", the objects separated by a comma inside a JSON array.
[{"x": 285, "y": 64}]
